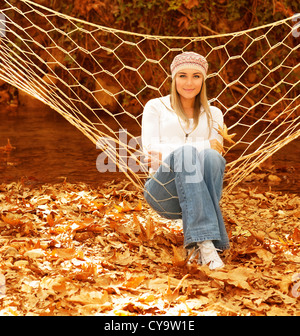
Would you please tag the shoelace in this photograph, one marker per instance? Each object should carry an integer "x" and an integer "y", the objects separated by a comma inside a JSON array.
[
  {"x": 205, "y": 253},
  {"x": 209, "y": 255}
]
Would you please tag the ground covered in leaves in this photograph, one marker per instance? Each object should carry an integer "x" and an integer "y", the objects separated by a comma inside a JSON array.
[{"x": 70, "y": 249}]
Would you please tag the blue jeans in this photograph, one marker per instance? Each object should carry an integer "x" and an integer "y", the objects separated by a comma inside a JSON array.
[{"x": 188, "y": 185}]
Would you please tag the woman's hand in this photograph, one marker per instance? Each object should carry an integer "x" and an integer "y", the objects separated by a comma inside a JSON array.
[
  {"x": 153, "y": 159},
  {"x": 215, "y": 144}
]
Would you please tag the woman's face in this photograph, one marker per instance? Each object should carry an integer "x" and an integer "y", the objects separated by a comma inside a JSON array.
[{"x": 188, "y": 83}]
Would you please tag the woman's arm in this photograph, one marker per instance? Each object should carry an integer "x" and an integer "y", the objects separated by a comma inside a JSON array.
[
  {"x": 151, "y": 136},
  {"x": 156, "y": 151},
  {"x": 216, "y": 139},
  {"x": 154, "y": 143}
]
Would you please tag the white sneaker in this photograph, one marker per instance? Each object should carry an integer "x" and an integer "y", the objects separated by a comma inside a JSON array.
[{"x": 209, "y": 255}]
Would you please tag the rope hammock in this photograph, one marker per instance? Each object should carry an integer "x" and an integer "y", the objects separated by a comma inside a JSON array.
[{"x": 100, "y": 78}]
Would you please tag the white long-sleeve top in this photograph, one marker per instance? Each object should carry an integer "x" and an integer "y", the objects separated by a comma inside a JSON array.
[{"x": 162, "y": 131}]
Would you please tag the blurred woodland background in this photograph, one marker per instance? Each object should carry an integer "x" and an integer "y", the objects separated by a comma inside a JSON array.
[
  {"x": 193, "y": 18},
  {"x": 177, "y": 17}
]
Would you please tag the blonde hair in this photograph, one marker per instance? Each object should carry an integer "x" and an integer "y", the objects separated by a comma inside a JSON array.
[{"x": 200, "y": 101}]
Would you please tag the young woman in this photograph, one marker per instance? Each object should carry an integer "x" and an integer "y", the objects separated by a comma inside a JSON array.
[{"x": 183, "y": 149}]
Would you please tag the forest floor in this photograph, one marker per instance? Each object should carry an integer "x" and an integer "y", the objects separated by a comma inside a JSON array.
[{"x": 70, "y": 249}]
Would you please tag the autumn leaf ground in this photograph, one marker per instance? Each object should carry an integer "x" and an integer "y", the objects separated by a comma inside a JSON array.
[{"x": 71, "y": 249}]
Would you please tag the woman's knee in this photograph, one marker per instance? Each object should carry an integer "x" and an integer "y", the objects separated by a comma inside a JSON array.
[
  {"x": 188, "y": 159},
  {"x": 167, "y": 208},
  {"x": 212, "y": 158},
  {"x": 185, "y": 157},
  {"x": 185, "y": 150}
]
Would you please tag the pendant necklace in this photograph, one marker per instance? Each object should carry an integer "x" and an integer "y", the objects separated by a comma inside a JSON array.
[{"x": 190, "y": 129}]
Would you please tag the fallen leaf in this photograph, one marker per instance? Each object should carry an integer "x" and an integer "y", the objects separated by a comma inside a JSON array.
[
  {"x": 126, "y": 207},
  {"x": 178, "y": 259},
  {"x": 92, "y": 297},
  {"x": 259, "y": 236},
  {"x": 138, "y": 207},
  {"x": 123, "y": 207},
  {"x": 274, "y": 178},
  {"x": 148, "y": 232},
  {"x": 121, "y": 312},
  {"x": 35, "y": 254},
  {"x": 66, "y": 253},
  {"x": 2, "y": 285},
  {"x": 172, "y": 295},
  {"x": 51, "y": 286},
  {"x": 237, "y": 277},
  {"x": 134, "y": 281},
  {"x": 265, "y": 255},
  {"x": 224, "y": 133},
  {"x": 296, "y": 235},
  {"x": 12, "y": 219}
]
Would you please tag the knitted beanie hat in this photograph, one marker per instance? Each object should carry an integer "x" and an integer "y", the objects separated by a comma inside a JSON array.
[{"x": 189, "y": 60}]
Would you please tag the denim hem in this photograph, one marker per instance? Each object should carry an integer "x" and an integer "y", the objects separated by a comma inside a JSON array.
[
  {"x": 200, "y": 239},
  {"x": 216, "y": 242},
  {"x": 222, "y": 247}
]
